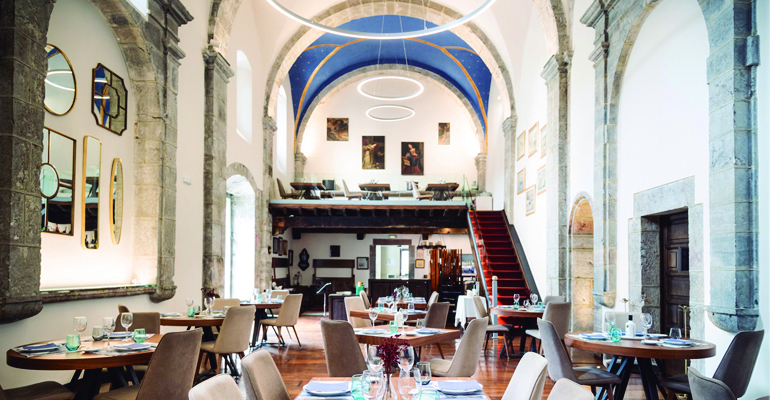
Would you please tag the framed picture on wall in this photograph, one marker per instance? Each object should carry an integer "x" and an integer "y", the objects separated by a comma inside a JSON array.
[
  {"x": 291, "y": 257},
  {"x": 443, "y": 133},
  {"x": 373, "y": 152},
  {"x": 419, "y": 263},
  {"x": 534, "y": 132},
  {"x": 529, "y": 200},
  {"x": 521, "y": 145},
  {"x": 285, "y": 246},
  {"x": 362, "y": 262},
  {"x": 336, "y": 129},
  {"x": 542, "y": 141},
  {"x": 412, "y": 158},
  {"x": 277, "y": 246},
  {"x": 521, "y": 181},
  {"x": 541, "y": 180},
  {"x": 334, "y": 251}
]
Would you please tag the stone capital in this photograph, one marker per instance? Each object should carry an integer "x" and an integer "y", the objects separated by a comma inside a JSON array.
[
  {"x": 216, "y": 61},
  {"x": 600, "y": 52},
  {"x": 299, "y": 157},
  {"x": 176, "y": 10},
  {"x": 508, "y": 128},
  {"x": 593, "y": 13},
  {"x": 558, "y": 63},
  {"x": 269, "y": 124},
  {"x": 174, "y": 50},
  {"x": 481, "y": 160}
]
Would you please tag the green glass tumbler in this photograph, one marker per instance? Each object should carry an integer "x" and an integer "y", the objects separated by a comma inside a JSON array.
[
  {"x": 393, "y": 326},
  {"x": 615, "y": 335},
  {"x": 429, "y": 394},
  {"x": 139, "y": 335},
  {"x": 355, "y": 387},
  {"x": 72, "y": 342},
  {"x": 190, "y": 311}
]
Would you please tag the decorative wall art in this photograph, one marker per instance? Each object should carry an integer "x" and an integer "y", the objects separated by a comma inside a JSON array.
[
  {"x": 334, "y": 251},
  {"x": 542, "y": 141},
  {"x": 534, "y": 132},
  {"x": 304, "y": 258},
  {"x": 419, "y": 263},
  {"x": 277, "y": 246},
  {"x": 443, "y": 133},
  {"x": 541, "y": 180},
  {"x": 412, "y": 158},
  {"x": 521, "y": 181},
  {"x": 336, "y": 129},
  {"x": 529, "y": 200},
  {"x": 60, "y": 83},
  {"x": 285, "y": 246},
  {"x": 291, "y": 257},
  {"x": 521, "y": 145},
  {"x": 373, "y": 152},
  {"x": 57, "y": 182},
  {"x": 110, "y": 100},
  {"x": 362, "y": 262}
]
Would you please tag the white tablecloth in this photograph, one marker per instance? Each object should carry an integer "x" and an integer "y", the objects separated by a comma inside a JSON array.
[{"x": 466, "y": 309}]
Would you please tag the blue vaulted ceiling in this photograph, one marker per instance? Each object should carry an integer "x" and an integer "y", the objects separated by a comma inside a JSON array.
[{"x": 444, "y": 54}]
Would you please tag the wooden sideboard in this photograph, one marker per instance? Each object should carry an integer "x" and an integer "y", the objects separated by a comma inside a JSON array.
[
  {"x": 384, "y": 287},
  {"x": 337, "y": 306}
]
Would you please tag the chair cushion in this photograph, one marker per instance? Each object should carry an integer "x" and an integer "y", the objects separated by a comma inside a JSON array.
[
  {"x": 126, "y": 393},
  {"x": 268, "y": 321},
  {"x": 208, "y": 346},
  {"x": 40, "y": 391},
  {"x": 498, "y": 328},
  {"x": 678, "y": 383},
  {"x": 439, "y": 367},
  {"x": 595, "y": 376},
  {"x": 535, "y": 333}
]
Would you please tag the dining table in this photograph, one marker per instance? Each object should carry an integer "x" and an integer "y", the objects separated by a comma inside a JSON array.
[
  {"x": 374, "y": 190},
  {"x": 628, "y": 350},
  {"x": 376, "y": 336},
  {"x": 260, "y": 313},
  {"x": 419, "y": 303},
  {"x": 524, "y": 318},
  {"x": 442, "y": 191},
  {"x": 387, "y": 315},
  {"x": 87, "y": 363},
  {"x": 394, "y": 384},
  {"x": 306, "y": 188}
]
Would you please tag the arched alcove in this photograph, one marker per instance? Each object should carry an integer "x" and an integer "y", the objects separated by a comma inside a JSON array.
[{"x": 581, "y": 241}]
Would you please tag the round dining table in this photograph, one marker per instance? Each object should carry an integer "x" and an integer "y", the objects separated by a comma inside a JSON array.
[
  {"x": 91, "y": 363},
  {"x": 509, "y": 311},
  {"x": 627, "y": 350}
]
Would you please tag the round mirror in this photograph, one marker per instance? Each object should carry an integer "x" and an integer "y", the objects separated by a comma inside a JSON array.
[
  {"x": 49, "y": 181},
  {"x": 60, "y": 86}
]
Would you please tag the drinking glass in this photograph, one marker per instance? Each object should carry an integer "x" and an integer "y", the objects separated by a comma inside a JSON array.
[
  {"x": 393, "y": 327},
  {"x": 79, "y": 324},
  {"x": 279, "y": 298},
  {"x": 516, "y": 298},
  {"x": 373, "y": 314},
  {"x": 126, "y": 319},
  {"x": 425, "y": 375},
  {"x": 97, "y": 333},
  {"x": 355, "y": 387},
  {"x": 190, "y": 301},
  {"x": 373, "y": 385},
  {"x": 72, "y": 342},
  {"x": 406, "y": 358},
  {"x": 526, "y": 304},
  {"x": 609, "y": 318},
  {"x": 139, "y": 335},
  {"x": 191, "y": 311},
  {"x": 675, "y": 333},
  {"x": 534, "y": 298},
  {"x": 408, "y": 386},
  {"x": 207, "y": 303},
  {"x": 420, "y": 323},
  {"x": 108, "y": 323},
  {"x": 410, "y": 307},
  {"x": 429, "y": 394},
  {"x": 615, "y": 334},
  {"x": 646, "y": 323}
]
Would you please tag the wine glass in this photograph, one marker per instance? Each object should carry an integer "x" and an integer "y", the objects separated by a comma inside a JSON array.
[
  {"x": 207, "y": 303},
  {"x": 609, "y": 318},
  {"x": 675, "y": 333},
  {"x": 406, "y": 358},
  {"x": 108, "y": 323},
  {"x": 425, "y": 375},
  {"x": 373, "y": 384},
  {"x": 279, "y": 298},
  {"x": 420, "y": 323},
  {"x": 646, "y": 323},
  {"x": 516, "y": 298},
  {"x": 526, "y": 304},
  {"x": 126, "y": 319},
  {"x": 373, "y": 314},
  {"x": 408, "y": 386},
  {"x": 534, "y": 298},
  {"x": 79, "y": 324},
  {"x": 190, "y": 301}
]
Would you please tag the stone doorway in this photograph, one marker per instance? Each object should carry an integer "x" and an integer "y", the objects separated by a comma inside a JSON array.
[{"x": 581, "y": 240}]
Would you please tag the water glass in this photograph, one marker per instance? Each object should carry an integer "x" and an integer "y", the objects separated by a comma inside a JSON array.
[
  {"x": 393, "y": 327},
  {"x": 108, "y": 324},
  {"x": 126, "y": 319},
  {"x": 420, "y": 323},
  {"x": 72, "y": 342},
  {"x": 279, "y": 298},
  {"x": 97, "y": 333},
  {"x": 355, "y": 387},
  {"x": 615, "y": 335},
  {"x": 675, "y": 333},
  {"x": 410, "y": 307},
  {"x": 534, "y": 298},
  {"x": 79, "y": 324},
  {"x": 429, "y": 394},
  {"x": 406, "y": 358},
  {"x": 609, "y": 318},
  {"x": 526, "y": 304},
  {"x": 191, "y": 311},
  {"x": 409, "y": 384},
  {"x": 425, "y": 375},
  {"x": 373, "y": 384},
  {"x": 139, "y": 335}
]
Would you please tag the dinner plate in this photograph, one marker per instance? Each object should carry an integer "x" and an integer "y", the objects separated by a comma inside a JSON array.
[
  {"x": 460, "y": 392},
  {"x": 132, "y": 347},
  {"x": 40, "y": 348},
  {"x": 327, "y": 393}
]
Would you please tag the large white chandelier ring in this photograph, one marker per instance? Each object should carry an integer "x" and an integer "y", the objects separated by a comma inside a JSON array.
[
  {"x": 381, "y": 106},
  {"x": 412, "y": 95},
  {"x": 381, "y": 36}
]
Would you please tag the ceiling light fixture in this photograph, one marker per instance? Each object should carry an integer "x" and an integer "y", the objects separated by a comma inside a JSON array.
[
  {"x": 381, "y": 36},
  {"x": 56, "y": 85},
  {"x": 416, "y": 93},
  {"x": 381, "y": 106}
]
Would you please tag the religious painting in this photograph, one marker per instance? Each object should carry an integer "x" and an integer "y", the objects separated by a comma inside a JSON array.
[
  {"x": 443, "y": 133},
  {"x": 373, "y": 152},
  {"x": 534, "y": 132},
  {"x": 529, "y": 200},
  {"x": 521, "y": 181},
  {"x": 336, "y": 129},
  {"x": 412, "y": 158},
  {"x": 542, "y": 141},
  {"x": 541, "y": 180},
  {"x": 521, "y": 145}
]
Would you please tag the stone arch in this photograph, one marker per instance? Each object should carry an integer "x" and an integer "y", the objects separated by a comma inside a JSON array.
[
  {"x": 581, "y": 280},
  {"x": 245, "y": 198},
  {"x": 410, "y": 71}
]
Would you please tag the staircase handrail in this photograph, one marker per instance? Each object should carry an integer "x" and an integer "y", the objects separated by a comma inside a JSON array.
[
  {"x": 477, "y": 252},
  {"x": 529, "y": 279}
]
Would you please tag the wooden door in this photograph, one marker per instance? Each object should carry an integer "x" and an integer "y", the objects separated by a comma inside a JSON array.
[{"x": 675, "y": 271}]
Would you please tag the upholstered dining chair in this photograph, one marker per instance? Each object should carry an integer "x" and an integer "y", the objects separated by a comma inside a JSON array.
[
  {"x": 734, "y": 370},
  {"x": 38, "y": 391},
  {"x": 122, "y": 309},
  {"x": 466, "y": 359},
  {"x": 528, "y": 379},
  {"x": 708, "y": 388},
  {"x": 220, "y": 387},
  {"x": 262, "y": 377},
  {"x": 565, "y": 389},
  {"x": 233, "y": 338},
  {"x": 288, "y": 317},
  {"x": 433, "y": 298},
  {"x": 284, "y": 194},
  {"x": 560, "y": 365},
  {"x": 435, "y": 318},
  {"x": 283, "y": 293},
  {"x": 150, "y": 321},
  {"x": 170, "y": 373},
  {"x": 356, "y": 304},
  {"x": 343, "y": 353},
  {"x": 556, "y": 313},
  {"x": 220, "y": 304},
  {"x": 505, "y": 330},
  {"x": 554, "y": 299},
  {"x": 365, "y": 299},
  {"x": 417, "y": 195},
  {"x": 348, "y": 194}
]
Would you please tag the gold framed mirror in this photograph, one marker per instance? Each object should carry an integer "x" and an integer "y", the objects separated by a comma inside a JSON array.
[
  {"x": 57, "y": 182},
  {"x": 92, "y": 159},
  {"x": 60, "y": 83},
  {"x": 110, "y": 100},
  {"x": 116, "y": 200}
]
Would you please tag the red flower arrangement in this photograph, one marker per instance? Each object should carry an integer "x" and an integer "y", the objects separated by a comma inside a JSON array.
[{"x": 388, "y": 351}]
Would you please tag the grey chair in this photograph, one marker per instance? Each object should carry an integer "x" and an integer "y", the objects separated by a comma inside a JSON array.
[
  {"x": 558, "y": 313},
  {"x": 365, "y": 299},
  {"x": 528, "y": 379},
  {"x": 149, "y": 321},
  {"x": 220, "y": 304},
  {"x": 435, "y": 318},
  {"x": 565, "y": 389},
  {"x": 290, "y": 310},
  {"x": 219, "y": 387},
  {"x": 734, "y": 370},
  {"x": 38, "y": 391},
  {"x": 233, "y": 338},
  {"x": 554, "y": 299},
  {"x": 708, "y": 388},
  {"x": 505, "y": 330},
  {"x": 433, "y": 298},
  {"x": 343, "y": 353},
  {"x": 466, "y": 359},
  {"x": 122, "y": 309},
  {"x": 356, "y": 304},
  {"x": 560, "y": 366},
  {"x": 284, "y": 194},
  {"x": 263, "y": 380}
]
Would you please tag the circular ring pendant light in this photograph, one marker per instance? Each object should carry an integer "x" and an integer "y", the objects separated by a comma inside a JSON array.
[
  {"x": 383, "y": 119},
  {"x": 381, "y": 36},
  {"x": 412, "y": 95}
]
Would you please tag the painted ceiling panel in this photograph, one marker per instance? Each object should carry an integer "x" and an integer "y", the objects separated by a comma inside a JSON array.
[{"x": 444, "y": 54}]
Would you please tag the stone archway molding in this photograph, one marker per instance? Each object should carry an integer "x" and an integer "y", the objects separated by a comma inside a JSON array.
[{"x": 580, "y": 281}]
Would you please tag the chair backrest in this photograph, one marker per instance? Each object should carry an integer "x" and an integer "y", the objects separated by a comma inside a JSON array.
[
  {"x": 415, "y": 191},
  {"x": 565, "y": 389},
  {"x": 236, "y": 328},
  {"x": 554, "y": 299},
  {"x": 263, "y": 380},
  {"x": 708, "y": 388},
  {"x": 345, "y": 188},
  {"x": 292, "y": 305},
  {"x": 558, "y": 314},
  {"x": 356, "y": 304},
  {"x": 220, "y": 304},
  {"x": 436, "y": 316},
  {"x": 343, "y": 354},
  {"x": 150, "y": 321},
  {"x": 622, "y": 317},
  {"x": 466, "y": 359},
  {"x": 528, "y": 378},
  {"x": 219, "y": 387},
  {"x": 171, "y": 369},
  {"x": 365, "y": 298},
  {"x": 559, "y": 364},
  {"x": 275, "y": 293},
  {"x": 480, "y": 307},
  {"x": 122, "y": 309},
  {"x": 281, "y": 190},
  {"x": 433, "y": 298},
  {"x": 737, "y": 364}
]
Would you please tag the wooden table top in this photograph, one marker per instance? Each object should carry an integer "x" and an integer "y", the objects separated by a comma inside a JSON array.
[
  {"x": 374, "y": 187},
  {"x": 446, "y": 335},
  {"x": 308, "y": 185},
  {"x": 187, "y": 321},
  {"x": 436, "y": 187},
  {"x": 520, "y": 313},
  {"x": 80, "y": 360},
  {"x": 262, "y": 305},
  {"x": 385, "y": 316},
  {"x": 418, "y": 305},
  {"x": 393, "y": 381},
  {"x": 635, "y": 348}
]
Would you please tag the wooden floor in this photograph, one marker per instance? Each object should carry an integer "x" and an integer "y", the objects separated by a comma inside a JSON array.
[{"x": 298, "y": 366}]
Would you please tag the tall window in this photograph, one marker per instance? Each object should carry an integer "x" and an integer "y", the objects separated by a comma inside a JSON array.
[
  {"x": 243, "y": 97},
  {"x": 228, "y": 246},
  {"x": 281, "y": 136}
]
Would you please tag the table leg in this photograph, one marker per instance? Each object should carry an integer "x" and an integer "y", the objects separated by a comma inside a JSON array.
[
  {"x": 89, "y": 385},
  {"x": 649, "y": 380},
  {"x": 117, "y": 379}
]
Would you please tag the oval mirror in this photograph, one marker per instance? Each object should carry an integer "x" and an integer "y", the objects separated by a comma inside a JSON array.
[
  {"x": 116, "y": 200},
  {"x": 60, "y": 86},
  {"x": 49, "y": 181}
]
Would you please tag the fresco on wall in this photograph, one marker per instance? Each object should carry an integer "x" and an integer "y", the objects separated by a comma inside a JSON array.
[
  {"x": 534, "y": 132},
  {"x": 541, "y": 179},
  {"x": 521, "y": 181},
  {"x": 443, "y": 133},
  {"x": 373, "y": 152},
  {"x": 336, "y": 129},
  {"x": 529, "y": 200},
  {"x": 412, "y": 158},
  {"x": 521, "y": 145}
]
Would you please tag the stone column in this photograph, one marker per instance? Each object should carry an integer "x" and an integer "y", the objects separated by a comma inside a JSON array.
[
  {"x": 556, "y": 76},
  {"x": 216, "y": 76},
  {"x": 299, "y": 166},
  {"x": 509, "y": 174},
  {"x": 23, "y": 26},
  {"x": 263, "y": 271},
  {"x": 481, "y": 171}
]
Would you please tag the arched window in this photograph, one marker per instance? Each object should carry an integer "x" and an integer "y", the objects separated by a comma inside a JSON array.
[
  {"x": 243, "y": 97},
  {"x": 281, "y": 135}
]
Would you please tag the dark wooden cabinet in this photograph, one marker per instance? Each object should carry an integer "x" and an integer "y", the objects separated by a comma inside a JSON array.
[
  {"x": 385, "y": 287},
  {"x": 337, "y": 306}
]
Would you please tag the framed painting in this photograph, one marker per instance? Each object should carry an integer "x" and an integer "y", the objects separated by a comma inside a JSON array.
[
  {"x": 373, "y": 152},
  {"x": 412, "y": 158},
  {"x": 362, "y": 262},
  {"x": 334, "y": 250},
  {"x": 336, "y": 129},
  {"x": 443, "y": 133},
  {"x": 542, "y": 141},
  {"x": 419, "y": 263},
  {"x": 541, "y": 180},
  {"x": 521, "y": 145},
  {"x": 530, "y": 198},
  {"x": 534, "y": 132},
  {"x": 521, "y": 181},
  {"x": 285, "y": 246}
]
